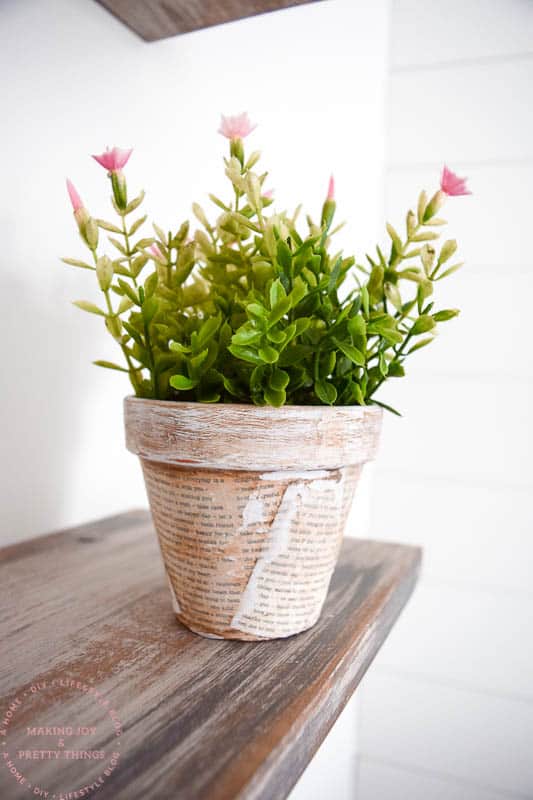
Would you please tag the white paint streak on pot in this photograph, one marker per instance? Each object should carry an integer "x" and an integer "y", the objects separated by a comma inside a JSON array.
[{"x": 249, "y": 504}]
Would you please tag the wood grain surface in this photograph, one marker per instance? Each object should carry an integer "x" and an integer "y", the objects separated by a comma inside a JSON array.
[
  {"x": 158, "y": 19},
  {"x": 88, "y": 634}
]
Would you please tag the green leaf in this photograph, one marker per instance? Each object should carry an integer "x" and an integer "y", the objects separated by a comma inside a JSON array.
[
  {"x": 136, "y": 225},
  {"x": 134, "y": 204},
  {"x": 246, "y": 336},
  {"x": 420, "y": 344},
  {"x": 351, "y": 352},
  {"x": 444, "y": 316},
  {"x": 422, "y": 203},
  {"x": 395, "y": 238},
  {"x": 279, "y": 379},
  {"x": 257, "y": 310},
  {"x": 396, "y": 370},
  {"x": 135, "y": 335},
  {"x": 279, "y": 311},
  {"x": 110, "y": 365},
  {"x": 207, "y": 331},
  {"x": 129, "y": 291},
  {"x": 284, "y": 256},
  {"x": 277, "y": 293},
  {"x": 181, "y": 383},
  {"x": 450, "y": 271},
  {"x": 276, "y": 335},
  {"x": 149, "y": 309},
  {"x": 246, "y": 354},
  {"x": 447, "y": 250},
  {"x": 375, "y": 284},
  {"x": 75, "y": 263},
  {"x": 386, "y": 407},
  {"x": 325, "y": 392},
  {"x": 268, "y": 354},
  {"x": 302, "y": 324},
  {"x": 274, "y": 397},
  {"x": 90, "y": 307},
  {"x": 120, "y": 247},
  {"x": 423, "y": 324},
  {"x": 365, "y": 300},
  {"x": 425, "y": 236},
  {"x": 108, "y": 226}
]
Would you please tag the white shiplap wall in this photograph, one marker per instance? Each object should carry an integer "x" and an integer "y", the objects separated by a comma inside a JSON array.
[
  {"x": 447, "y": 708},
  {"x": 83, "y": 81}
]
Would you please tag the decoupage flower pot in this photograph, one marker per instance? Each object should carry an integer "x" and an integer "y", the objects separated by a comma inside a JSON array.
[{"x": 249, "y": 504}]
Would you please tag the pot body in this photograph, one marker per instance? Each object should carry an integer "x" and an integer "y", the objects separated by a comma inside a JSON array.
[{"x": 249, "y": 504}]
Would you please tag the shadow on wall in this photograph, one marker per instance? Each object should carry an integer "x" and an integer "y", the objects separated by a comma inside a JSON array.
[{"x": 40, "y": 415}]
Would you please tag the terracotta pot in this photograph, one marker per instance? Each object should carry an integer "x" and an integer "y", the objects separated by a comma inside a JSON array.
[{"x": 249, "y": 504}]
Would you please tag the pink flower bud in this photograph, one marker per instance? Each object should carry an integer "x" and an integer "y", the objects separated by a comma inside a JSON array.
[
  {"x": 268, "y": 194},
  {"x": 113, "y": 160},
  {"x": 75, "y": 199},
  {"x": 156, "y": 252},
  {"x": 331, "y": 188},
  {"x": 236, "y": 127},
  {"x": 451, "y": 184}
]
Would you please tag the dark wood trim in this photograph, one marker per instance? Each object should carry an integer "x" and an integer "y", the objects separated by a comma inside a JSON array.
[{"x": 159, "y": 19}]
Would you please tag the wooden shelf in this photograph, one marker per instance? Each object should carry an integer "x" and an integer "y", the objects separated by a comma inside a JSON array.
[
  {"x": 201, "y": 719},
  {"x": 159, "y": 19}
]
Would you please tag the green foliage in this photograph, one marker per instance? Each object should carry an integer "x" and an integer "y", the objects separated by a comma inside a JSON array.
[{"x": 247, "y": 308}]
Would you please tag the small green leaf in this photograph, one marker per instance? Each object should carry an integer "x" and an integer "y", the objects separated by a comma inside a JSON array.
[
  {"x": 90, "y": 307},
  {"x": 444, "y": 316},
  {"x": 136, "y": 225},
  {"x": 110, "y": 365},
  {"x": 246, "y": 336},
  {"x": 325, "y": 392},
  {"x": 108, "y": 226},
  {"x": 274, "y": 397},
  {"x": 268, "y": 354},
  {"x": 181, "y": 383},
  {"x": 447, "y": 250},
  {"x": 423, "y": 324},
  {"x": 277, "y": 293},
  {"x": 129, "y": 291},
  {"x": 284, "y": 256},
  {"x": 279, "y": 379},
  {"x": 246, "y": 354},
  {"x": 75, "y": 263},
  {"x": 279, "y": 311},
  {"x": 396, "y": 370},
  {"x": 351, "y": 352},
  {"x": 149, "y": 309},
  {"x": 420, "y": 344},
  {"x": 134, "y": 204},
  {"x": 386, "y": 407}
]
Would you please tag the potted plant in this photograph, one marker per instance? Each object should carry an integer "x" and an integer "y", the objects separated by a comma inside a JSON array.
[{"x": 255, "y": 352}]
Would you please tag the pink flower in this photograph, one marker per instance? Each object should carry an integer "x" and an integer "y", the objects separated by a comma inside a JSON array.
[
  {"x": 156, "y": 252},
  {"x": 451, "y": 184},
  {"x": 75, "y": 199},
  {"x": 236, "y": 127},
  {"x": 268, "y": 194},
  {"x": 114, "y": 160},
  {"x": 331, "y": 188}
]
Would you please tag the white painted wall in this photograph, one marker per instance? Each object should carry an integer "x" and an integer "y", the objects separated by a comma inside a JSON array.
[
  {"x": 313, "y": 77},
  {"x": 447, "y": 708}
]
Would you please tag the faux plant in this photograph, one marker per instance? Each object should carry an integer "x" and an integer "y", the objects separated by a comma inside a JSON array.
[{"x": 248, "y": 308}]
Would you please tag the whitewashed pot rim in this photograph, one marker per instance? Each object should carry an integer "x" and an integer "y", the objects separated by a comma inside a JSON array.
[{"x": 243, "y": 436}]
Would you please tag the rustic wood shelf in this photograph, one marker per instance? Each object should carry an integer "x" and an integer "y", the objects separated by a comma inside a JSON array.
[
  {"x": 159, "y": 19},
  {"x": 198, "y": 719}
]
